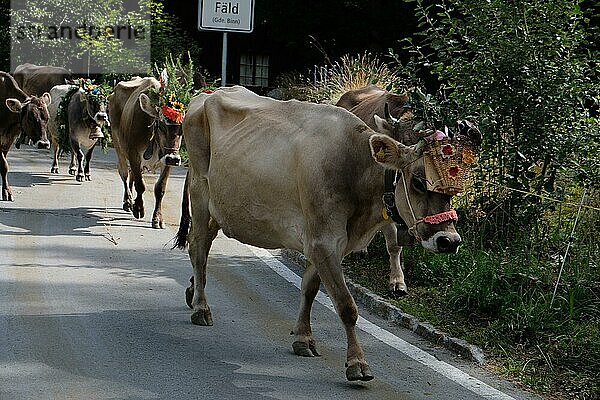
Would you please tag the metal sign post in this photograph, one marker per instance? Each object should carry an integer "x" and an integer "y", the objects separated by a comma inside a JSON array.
[
  {"x": 226, "y": 16},
  {"x": 224, "y": 61}
]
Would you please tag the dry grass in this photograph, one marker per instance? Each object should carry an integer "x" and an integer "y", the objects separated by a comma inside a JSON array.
[{"x": 330, "y": 82}]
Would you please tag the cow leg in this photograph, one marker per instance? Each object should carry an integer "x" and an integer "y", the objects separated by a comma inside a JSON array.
[
  {"x": 396, "y": 284},
  {"x": 124, "y": 174},
  {"x": 80, "y": 158},
  {"x": 54, "y": 168},
  {"x": 159, "y": 191},
  {"x": 6, "y": 191},
  {"x": 327, "y": 259},
  {"x": 88, "y": 158},
  {"x": 72, "y": 164},
  {"x": 202, "y": 233},
  {"x": 304, "y": 344},
  {"x": 140, "y": 187}
]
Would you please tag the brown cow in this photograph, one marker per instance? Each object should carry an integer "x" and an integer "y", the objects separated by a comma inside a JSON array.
[
  {"x": 142, "y": 137},
  {"x": 39, "y": 79},
  {"x": 369, "y": 103},
  {"x": 35, "y": 80},
  {"x": 308, "y": 177},
  {"x": 19, "y": 113}
]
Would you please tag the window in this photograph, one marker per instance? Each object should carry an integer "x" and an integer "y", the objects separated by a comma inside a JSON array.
[{"x": 254, "y": 70}]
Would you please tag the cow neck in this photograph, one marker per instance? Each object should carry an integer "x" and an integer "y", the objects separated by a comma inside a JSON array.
[{"x": 88, "y": 120}]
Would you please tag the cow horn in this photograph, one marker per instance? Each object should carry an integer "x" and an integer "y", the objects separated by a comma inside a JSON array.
[{"x": 388, "y": 117}]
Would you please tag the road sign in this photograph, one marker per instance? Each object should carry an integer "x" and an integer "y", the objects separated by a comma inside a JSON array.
[{"x": 226, "y": 16}]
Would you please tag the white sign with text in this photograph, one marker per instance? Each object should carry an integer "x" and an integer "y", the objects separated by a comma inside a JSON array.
[{"x": 226, "y": 16}]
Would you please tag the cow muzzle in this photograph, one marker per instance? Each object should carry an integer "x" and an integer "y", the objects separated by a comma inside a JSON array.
[
  {"x": 101, "y": 118},
  {"x": 443, "y": 243},
  {"x": 172, "y": 160},
  {"x": 43, "y": 144}
]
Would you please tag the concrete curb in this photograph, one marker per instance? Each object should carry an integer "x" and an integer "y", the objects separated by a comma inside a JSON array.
[{"x": 380, "y": 307}]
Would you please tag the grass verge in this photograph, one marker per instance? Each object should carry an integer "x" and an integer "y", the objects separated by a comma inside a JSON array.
[{"x": 501, "y": 302}]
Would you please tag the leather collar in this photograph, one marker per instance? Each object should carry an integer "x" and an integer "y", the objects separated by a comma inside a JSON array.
[{"x": 389, "y": 197}]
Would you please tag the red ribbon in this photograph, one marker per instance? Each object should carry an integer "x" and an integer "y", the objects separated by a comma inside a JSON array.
[{"x": 441, "y": 217}]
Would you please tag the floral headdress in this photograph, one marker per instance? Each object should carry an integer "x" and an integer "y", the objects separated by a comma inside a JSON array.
[
  {"x": 92, "y": 90},
  {"x": 449, "y": 153},
  {"x": 449, "y": 158},
  {"x": 176, "y": 89}
]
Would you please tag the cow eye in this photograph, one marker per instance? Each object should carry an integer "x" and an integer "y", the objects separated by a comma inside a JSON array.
[{"x": 419, "y": 184}]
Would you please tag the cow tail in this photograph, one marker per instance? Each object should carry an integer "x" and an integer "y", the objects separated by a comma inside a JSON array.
[{"x": 181, "y": 239}]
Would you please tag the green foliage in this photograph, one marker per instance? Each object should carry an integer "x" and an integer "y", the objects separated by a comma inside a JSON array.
[
  {"x": 96, "y": 50},
  {"x": 177, "y": 82},
  {"x": 168, "y": 35},
  {"x": 521, "y": 69},
  {"x": 527, "y": 72},
  {"x": 500, "y": 300}
]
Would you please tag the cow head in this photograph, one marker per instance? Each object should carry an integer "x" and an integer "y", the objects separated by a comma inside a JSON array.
[
  {"x": 427, "y": 213},
  {"x": 94, "y": 107},
  {"x": 167, "y": 134},
  {"x": 33, "y": 114}
]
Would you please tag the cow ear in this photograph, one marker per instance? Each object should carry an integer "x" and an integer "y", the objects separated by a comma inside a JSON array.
[
  {"x": 46, "y": 98},
  {"x": 383, "y": 126},
  {"x": 389, "y": 152},
  {"x": 14, "y": 105},
  {"x": 147, "y": 107}
]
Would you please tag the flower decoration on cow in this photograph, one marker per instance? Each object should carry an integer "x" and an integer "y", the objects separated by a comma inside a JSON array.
[
  {"x": 449, "y": 156},
  {"x": 449, "y": 153},
  {"x": 176, "y": 89},
  {"x": 96, "y": 92}
]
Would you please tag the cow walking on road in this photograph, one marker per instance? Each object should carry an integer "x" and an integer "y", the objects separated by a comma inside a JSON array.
[
  {"x": 142, "y": 136},
  {"x": 19, "y": 113},
  {"x": 308, "y": 177},
  {"x": 81, "y": 122}
]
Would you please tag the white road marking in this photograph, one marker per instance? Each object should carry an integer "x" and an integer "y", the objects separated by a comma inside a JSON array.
[{"x": 456, "y": 375}]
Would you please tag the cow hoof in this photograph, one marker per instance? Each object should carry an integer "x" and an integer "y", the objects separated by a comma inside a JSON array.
[
  {"x": 72, "y": 171},
  {"x": 202, "y": 317},
  {"x": 304, "y": 349},
  {"x": 79, "y": 178},
  {"x": 358, "y": 371},
  {"x": 87, "y": 178},
  {"x": 157, "y": 224},
  {"x": 6, "y": 196},
  {"x": 189, "y": 295},
  {"x": 398, "y": 290},
  {"x": 127, "y": 206},
  {"x": 54, "y": 170},
  {"x": 138, "y": 211}
]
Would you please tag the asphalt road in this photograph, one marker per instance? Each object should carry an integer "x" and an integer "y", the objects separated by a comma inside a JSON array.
[{"x": 92, "y": 307}]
